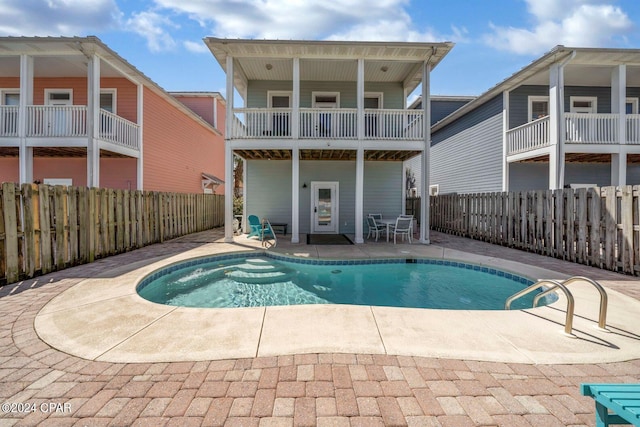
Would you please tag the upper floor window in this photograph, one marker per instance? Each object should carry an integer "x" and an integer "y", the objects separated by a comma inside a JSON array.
[
  {"x": 631, "y": 106},
  {"x": 584, "y": 104},
  {"x": 10, "y": 98},
  {"x": 538, "y": 107},
  {"x": 108, "y": 100}
]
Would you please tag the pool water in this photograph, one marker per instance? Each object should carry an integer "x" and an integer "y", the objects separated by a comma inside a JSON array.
[{"x": 263, "y": 281}]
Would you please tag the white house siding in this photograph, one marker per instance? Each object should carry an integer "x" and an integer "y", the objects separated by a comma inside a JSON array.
[
  {"x": 269, "y": 189},
  {"x": 469, "y": 161}
]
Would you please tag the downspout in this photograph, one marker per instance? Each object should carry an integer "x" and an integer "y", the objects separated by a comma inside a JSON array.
[{"x": 561, "y": 123}]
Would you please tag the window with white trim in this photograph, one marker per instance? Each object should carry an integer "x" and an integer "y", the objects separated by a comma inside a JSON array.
[
  {"x": 583, "y": 104},
  {"x": 538, "y": 107},
  {"x": 631, "y": 106}
]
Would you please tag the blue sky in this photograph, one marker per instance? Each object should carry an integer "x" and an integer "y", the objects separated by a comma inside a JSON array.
[{"x": 494, "y": 38}]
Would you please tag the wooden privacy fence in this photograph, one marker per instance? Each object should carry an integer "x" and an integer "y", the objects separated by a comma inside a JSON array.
[
  {"x": 45, "y": 228},
  {"x": 596, "y": 226}
]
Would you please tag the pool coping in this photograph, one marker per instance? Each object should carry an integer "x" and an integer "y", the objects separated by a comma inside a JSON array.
[{"x": 104, "y": 319}]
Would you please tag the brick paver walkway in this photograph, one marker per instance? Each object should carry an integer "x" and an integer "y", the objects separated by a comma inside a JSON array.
[{"x": 43, "y": 386}]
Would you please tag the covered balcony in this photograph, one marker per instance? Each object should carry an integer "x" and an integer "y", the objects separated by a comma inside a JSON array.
[
  {"x": 66, "y": 122},
  {"x": 579, "y": 129},
  {"x": 317, "y": 123}
]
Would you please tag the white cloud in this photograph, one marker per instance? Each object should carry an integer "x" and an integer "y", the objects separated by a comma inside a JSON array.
[
  {"x": 576, "y": 23},
  {"x": 310, "y": 19},
  {"x": 57, "y": 17},
  {"x": 196, "y": 47},
  {"x": 153, "y": 27}
]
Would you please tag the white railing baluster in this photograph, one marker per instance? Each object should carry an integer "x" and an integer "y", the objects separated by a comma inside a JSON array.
[
  {"x": 529, "y": 136},
  {"x": 591, "y": 128},
  {"x": 8, "y": 120},
  {"x": 316, "y": 123},
  {"x": 118, "y": 130},
  {"x": 633, "y": 128}
]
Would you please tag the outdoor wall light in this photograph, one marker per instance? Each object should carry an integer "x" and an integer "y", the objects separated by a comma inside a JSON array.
[
  {"x": 304, "y": 185},
  {"x": 268, "y": 67},
  {"x": 384, "y": 68}
]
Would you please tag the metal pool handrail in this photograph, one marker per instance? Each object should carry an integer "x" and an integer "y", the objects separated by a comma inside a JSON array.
[
  {"x": 568, "y": 323},
  {"x": 604, "y": 299}
]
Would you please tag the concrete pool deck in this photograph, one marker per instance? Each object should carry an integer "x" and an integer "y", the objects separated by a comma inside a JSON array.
[
  {"x": 310, "y": 389},
  {"x": 102, "y": 318}
]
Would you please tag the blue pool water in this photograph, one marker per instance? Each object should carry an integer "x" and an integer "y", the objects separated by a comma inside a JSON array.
[{"x": 256, "y": 281}]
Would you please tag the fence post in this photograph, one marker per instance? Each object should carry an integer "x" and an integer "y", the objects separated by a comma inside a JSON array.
[{"x": 10, "y": 231}]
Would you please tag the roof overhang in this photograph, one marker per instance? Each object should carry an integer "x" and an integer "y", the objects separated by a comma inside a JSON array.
[
  {"x": 68, "y": 57},
  {"x": 583, "y": 65},
  {"x": 326, "y": 60}
]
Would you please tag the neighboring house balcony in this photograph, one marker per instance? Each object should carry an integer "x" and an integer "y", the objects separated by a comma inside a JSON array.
[
  {"x": 587, "y": 133},
  {"x": 55, "y": 125},
  {"x": 334, "y": 124}
]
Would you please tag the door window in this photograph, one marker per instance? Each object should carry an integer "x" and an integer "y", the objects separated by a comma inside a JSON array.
[
  {"x": 584, "y": 104},
  {"x": 280, "y": 121}
]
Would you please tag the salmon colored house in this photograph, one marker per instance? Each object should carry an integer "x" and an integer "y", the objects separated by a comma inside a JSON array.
[{"x": 73, "y": 112}]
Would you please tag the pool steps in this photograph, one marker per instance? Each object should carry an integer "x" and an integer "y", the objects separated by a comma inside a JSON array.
[{"x": 259, "y": 271}]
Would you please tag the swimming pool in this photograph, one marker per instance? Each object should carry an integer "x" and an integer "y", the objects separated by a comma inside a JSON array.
[{"x": 252, "y": 280}]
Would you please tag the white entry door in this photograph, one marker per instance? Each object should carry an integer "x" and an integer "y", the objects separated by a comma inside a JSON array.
[
  {"x": 324, "y": 207},
  {"x": 60, "y": 120}
]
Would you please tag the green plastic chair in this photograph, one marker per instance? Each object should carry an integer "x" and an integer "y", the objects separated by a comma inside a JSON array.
[{"x": 256, "y": 227}]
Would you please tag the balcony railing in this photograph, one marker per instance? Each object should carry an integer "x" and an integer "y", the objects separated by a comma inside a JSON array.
[
  {"x": 118, "y": 130},
  {"x": 61, "y": 121},
  {"x": 322, "y": 123},
  {"x": 47, "y": 121},
  {"x": 591, "y": 128},
  {"x": 529, "y": 136},
  {"x": 8, "y": 120},
  {"x": 633, "y": 128}
]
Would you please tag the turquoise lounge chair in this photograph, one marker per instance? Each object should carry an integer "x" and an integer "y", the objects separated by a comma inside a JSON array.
[{"x": 256, "y": 227}]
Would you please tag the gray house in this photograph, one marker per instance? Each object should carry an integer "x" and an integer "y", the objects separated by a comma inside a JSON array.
[
  {"x": 570, "y": 118},
  {"x": 324, "y": 130}
]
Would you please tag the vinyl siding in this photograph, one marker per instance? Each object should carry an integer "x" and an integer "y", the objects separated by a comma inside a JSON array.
[
  {"x": 471, "y": 160},
  {"x": 535, "y": 176},
  {"x": 393, "y": 94},
  {"x": 473, "y": 118},
  {"x": 118, "y": 173},
  {"x": 177, "y": 149},
  {"x": 269, "y": 189},
  {"x": 519, "y": 99}
]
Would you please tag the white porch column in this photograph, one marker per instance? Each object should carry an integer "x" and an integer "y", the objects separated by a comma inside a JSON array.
[
  {"x": 505, "y": 140},
  {"x": 25, "y": 154},
  {"x": 295, "y": 154},
  {"x": 618, "y": 104},
  {"x": 295, "y": 108},
  {"x": 228, "y": 157},
  {"x": 295, "y": 195},
  {"x": 556, "y": 126},
  {"x": 140, "y": 116},
  {"x": 359, "y": 212},
  {"x": 359, "y": 193},
  {"x": 93, "y": 121},
  {"x": 426, "y": 156}
]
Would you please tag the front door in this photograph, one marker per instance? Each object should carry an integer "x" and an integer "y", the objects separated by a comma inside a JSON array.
[
  {"x": 59, "y": 120},
  {"x": 324, "y": 207},
  {"x": 326, "y": 124}
]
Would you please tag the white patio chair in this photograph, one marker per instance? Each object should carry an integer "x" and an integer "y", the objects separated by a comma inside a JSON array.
[
  {"x": 402, "y": 228},
  {"x": 376, "y": 216},
  {"x": 375, "y": 228},
  {"x": 410, "y": 217}
]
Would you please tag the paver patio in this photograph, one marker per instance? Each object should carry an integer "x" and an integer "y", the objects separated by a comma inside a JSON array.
[{"x": 302, "y": 389}]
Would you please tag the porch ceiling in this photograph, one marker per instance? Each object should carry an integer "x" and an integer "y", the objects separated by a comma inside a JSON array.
[
  {"x": 585, "y": 158},
  {"x": 324, "y": 154},
  {"x": 57, "y": 152}
]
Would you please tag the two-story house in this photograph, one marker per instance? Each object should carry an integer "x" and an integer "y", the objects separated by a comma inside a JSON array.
[
  {"x": 324, "y": 128},
  {"x": 570, "y": 118},
  {"x": 73, "y": 112}
]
